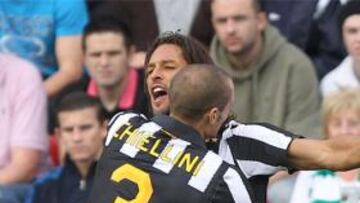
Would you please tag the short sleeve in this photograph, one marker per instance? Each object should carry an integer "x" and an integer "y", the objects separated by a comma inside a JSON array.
[{"x": 71, "y": 17}]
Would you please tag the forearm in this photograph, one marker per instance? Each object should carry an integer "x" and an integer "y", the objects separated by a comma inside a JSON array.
[
  {"x": 22, "y": 166},
  {"x": 16, "y": 173},
  {"x": 336, "y": 154},
  {"x": 60, "y": 80},
  {"x": 344, "y": 153}
]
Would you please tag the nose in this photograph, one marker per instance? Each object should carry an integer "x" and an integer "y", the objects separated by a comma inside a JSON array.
[
  {"x": 104, "y": 60},
  {"x": 344, "y": 128},
  {"x": 77, "y": 135},
  {"x": 230, "y": 26},
  {"x": 156, "y": 73}
]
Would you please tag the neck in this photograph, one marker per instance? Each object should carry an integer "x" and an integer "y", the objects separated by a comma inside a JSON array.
[
  {"x": 110, "y": 95},
  {"x": 196, "y": 125},
  {"x": 242, "y": 60},
  {"x": 83, "y": 167}
]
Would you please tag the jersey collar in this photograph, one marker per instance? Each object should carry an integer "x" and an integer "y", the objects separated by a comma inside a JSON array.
[{"x": 179, "y": 130}]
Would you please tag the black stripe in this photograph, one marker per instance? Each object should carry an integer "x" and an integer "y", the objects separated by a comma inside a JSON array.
[{"x": 244, "y": 148}]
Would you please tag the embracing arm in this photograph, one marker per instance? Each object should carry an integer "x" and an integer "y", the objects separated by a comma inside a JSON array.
[{"x": 335, "y": 153}]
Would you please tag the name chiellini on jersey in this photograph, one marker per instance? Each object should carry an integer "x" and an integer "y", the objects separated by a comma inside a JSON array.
[{"x": 144, "y": 162}]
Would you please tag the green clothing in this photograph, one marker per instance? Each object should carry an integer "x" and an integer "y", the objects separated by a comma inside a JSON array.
[
  {"x": 280, "y": 87},
  {"x": 325, "y": 186}
]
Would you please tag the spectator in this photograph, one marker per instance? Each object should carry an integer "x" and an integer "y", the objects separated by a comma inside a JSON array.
[
  {"x": 324, "y": 45},
  {"x": 347, "y": 74},
  {"x": 293, "y": 19},
  {"x": 341, "y": 116},
  {"x": 81, "y": 130},
  {"x": 23, "y": 135},
  {"x": 160, "y": 16},
  {"x": 48, "y": 33},
  {"x": 268, "y": 71},
  {"x": 108, "y": 49}
]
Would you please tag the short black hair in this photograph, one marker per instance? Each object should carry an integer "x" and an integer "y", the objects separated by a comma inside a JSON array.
[
  {"x": 78, "y": 101},
  {"x": 193, "y": 91},
  {"x": 192, "y": 50},
  {"x": 350, "y": 8},
  {"x": 258, "y": 5},
  {"x": 107, "y": 24}
]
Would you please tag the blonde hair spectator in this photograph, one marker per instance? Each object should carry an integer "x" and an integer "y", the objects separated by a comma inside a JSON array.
[{"x": 336, "y": 103}]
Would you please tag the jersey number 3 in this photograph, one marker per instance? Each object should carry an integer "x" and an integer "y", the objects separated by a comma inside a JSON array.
[{"x": 137, "y": 176}]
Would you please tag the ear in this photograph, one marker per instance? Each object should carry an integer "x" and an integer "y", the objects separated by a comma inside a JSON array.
[
  {"x": 261, "y": 21},
  {"x": 214, "y": 115}
]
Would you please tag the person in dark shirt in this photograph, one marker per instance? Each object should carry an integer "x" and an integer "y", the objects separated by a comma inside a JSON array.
[
  {"x": 108, "y": 49},
  {"x": 165, "y": 159},
  {"x": 81, "y": 131}
]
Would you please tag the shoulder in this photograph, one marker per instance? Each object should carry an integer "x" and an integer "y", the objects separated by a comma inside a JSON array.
[
  {"x": 50, "y": 176},
  {"x": 259, "y": 131},
  {"x": 24, "y": 74},
  {"x": 16, "y": 65},
  {"x": 120, "y": 119},
  {"x": 124, "y": 117},
  {"x": 340, "y": 77}
]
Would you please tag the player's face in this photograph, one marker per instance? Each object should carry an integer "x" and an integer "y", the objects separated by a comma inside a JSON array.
[
  {"x": 237, "y": 24},
  {"x": 106, "y": 58},
  {"x": 164, "y": 63},
  {"x": 81, "y": 134},
  {"x": 351, "y": 35},
  {"x": 344, "y": 123}
]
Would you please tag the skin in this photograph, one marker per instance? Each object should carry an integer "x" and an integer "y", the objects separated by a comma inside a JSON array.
[
  {"x": 238, "y": 26},
  {"x": 69, "y": 57},
  {"x": 344, "y": 123},
  {"x": 209, "y": 125},
  {"x": 351, "y": 35},
  {"x": 164, "y": 63},
  {"x": 107, "y": 59},
  {"x": 81, "y": 134}
]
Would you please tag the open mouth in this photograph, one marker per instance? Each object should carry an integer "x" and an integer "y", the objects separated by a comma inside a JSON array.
[{"x": 158, "y": 93}]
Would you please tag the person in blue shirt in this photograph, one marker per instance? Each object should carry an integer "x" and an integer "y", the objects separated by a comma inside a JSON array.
[{"x": 48, "y": 33}]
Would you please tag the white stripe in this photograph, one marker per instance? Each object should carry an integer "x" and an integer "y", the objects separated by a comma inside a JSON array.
[
  {"x": 262, "y": 134},
  {"x": 178, "y": 146},
  {"x": 236, "y": 186},
  {"x": 131, "y": 150},
  {"x": 253, "y": 168},
  {"x": 211, "y": 163},
  {"x": 121, "y": 120}
]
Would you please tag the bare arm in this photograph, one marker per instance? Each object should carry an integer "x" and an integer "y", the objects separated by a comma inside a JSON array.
[
  {"x": 22, "y": 167},
  {"x": 69, "y": 57},
  {"x": 335, "y": 154}
]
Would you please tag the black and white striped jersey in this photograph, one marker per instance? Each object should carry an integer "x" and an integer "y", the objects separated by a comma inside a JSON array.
[
  {"x": 163, "y": 160},
  {"x": 259, "y": 150}
]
